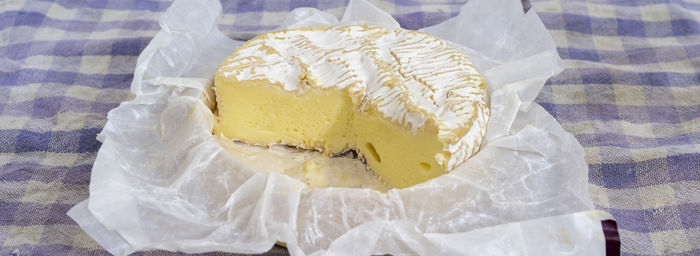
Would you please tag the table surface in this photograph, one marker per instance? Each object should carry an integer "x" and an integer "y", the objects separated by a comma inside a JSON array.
[{"x": 630, "y": 95}]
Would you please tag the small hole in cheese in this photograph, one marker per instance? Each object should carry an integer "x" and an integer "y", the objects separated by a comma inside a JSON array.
[
  {"x": 425, "y": 166},
  {"x": 373, "y": 152}
]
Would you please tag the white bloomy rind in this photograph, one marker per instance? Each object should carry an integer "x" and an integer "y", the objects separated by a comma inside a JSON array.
[{"x": 409, "y": 77}]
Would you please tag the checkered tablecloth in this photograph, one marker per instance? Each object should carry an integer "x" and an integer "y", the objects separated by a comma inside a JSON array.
[{"x": 630, "y": 95}]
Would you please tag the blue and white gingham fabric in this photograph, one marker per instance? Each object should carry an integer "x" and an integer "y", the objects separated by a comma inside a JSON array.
[{"x": 630, "y": 95}]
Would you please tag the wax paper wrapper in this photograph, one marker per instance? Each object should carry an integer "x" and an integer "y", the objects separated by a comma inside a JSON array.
[{"x": 161, "y": 180}]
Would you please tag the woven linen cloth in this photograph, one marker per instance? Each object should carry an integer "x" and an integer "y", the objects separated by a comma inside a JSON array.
[{"x": 630, "y": 95}]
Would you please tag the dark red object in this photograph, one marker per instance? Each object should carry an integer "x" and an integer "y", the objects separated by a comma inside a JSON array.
[{"x": 612, "y": 237}]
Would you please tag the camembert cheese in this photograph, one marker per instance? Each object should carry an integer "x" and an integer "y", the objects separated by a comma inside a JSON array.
[{"x": 406, "y": 102}]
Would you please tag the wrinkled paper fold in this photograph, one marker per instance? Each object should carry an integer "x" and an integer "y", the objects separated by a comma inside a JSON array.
[{"x": 161, "y": 180}]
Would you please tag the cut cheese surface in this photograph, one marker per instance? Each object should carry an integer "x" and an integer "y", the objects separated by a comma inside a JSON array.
[{"x": 406, "y": 102}]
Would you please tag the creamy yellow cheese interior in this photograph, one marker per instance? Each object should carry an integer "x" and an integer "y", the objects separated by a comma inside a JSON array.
[
  {"x": 328, "y": 121},
  {"x": 356, "y": 88}
]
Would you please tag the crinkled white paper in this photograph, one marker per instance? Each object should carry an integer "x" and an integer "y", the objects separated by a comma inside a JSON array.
[{"x": 161, "y": 180}]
